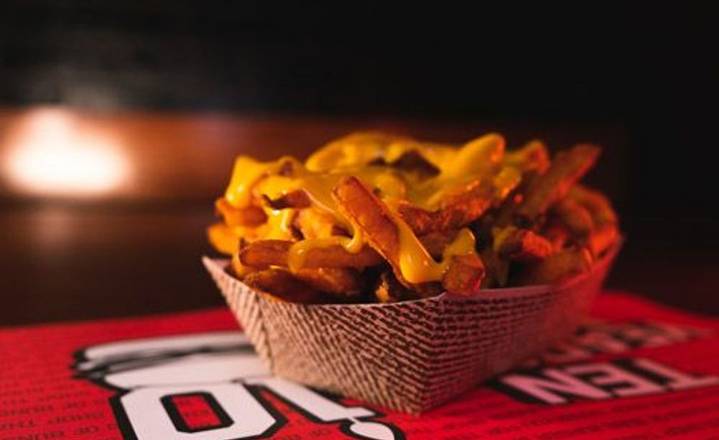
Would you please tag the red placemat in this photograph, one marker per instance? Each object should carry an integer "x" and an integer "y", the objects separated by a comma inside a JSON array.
[{"x": 637, "y": 370}]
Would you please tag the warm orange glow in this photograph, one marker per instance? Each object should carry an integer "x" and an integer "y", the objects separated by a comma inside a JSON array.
[{"x": 54, "y": 154}]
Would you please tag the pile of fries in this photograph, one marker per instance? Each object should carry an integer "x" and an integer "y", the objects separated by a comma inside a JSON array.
[{"x": 373, "y": 217}]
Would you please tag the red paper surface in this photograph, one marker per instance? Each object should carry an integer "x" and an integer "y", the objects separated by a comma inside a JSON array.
[{"x": 637, "y": 371}]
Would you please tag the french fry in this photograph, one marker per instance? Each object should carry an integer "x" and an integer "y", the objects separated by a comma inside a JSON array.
[
  {"x": 531, "y": 157},
  {"x": 521, "y": 244},
  {"x": 405, "y": 205},
  {"x": 566, "y": 168},
  {"x": 222, "y": 238},
  {"x": 424, "y": 222},
  {"x": 236, "y": 266},
  {"x": 313, "y": 223},
  {"x": 532, "y": 160},
  {"x": 575, "y": 216},
  {"x": 339, "y": 281},
  {"x": 266, "y": 253},
  {"x": 557, "y": 267},
  {"x": 262, "y": 254},
  {"x": 497, "y": 269},
  {"x": 429, "y": 289},
  {"x": 358, "y": 203},
  {"x": 558, "y": 234},
  {"x": 388, "y": 289},
  {"x": 337, "y": 256},
  {"x": 602, "y": 239},
  {"x": 413, "y": 162},
  {"x": 596, "y": 202},
  {"x": 282, "y": 285},
  {"x": 293, "y": 199},
  {"x": 506, "y": 212},
  {"x": 250, "y": 216},
  {"x": 435, "y": 242},
  {"x": 458, "y": 212},
  {"x": 465, "y": 274}
]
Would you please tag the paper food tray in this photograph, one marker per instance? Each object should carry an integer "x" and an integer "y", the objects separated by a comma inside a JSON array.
[{"x": 408, "y": 356}]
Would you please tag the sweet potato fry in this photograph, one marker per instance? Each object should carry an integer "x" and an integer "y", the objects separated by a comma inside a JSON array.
[
  {"x": 265, "y": 253},
  {"x": 281, "y": 284},
  {"x": 576, "y": 217},
  {"x": 339, "y": 281},
  {"x": 521, "y": 244},
  {"x": 566, "y": 168},
  {"x": 557, "y": 267},
  {"x": 250, "y": 216},
  {"x": 465, "y": 274}
]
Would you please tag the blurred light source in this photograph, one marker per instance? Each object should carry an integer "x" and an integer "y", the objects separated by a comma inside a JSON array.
[{"x": 52, "y": 153}]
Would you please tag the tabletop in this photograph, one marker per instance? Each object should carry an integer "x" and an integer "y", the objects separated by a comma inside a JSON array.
[{"x": 104, "y": 214}]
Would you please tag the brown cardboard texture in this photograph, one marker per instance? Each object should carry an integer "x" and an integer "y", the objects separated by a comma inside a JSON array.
[{"x": 408, "y": 356}]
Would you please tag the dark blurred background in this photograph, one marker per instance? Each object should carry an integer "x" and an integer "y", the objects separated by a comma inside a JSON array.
[{"x": 119, "y": 122}]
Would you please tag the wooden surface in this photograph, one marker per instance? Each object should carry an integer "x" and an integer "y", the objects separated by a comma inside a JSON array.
[
  {"x": 136, "y": 248},
  {"x": 181, "y": 156}
]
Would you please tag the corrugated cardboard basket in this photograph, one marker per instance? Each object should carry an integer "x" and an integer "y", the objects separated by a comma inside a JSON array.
[{"x": 408, "y": 356}]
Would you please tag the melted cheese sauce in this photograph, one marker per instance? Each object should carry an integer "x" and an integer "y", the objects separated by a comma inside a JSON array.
[{"x": 358, "y": 155}]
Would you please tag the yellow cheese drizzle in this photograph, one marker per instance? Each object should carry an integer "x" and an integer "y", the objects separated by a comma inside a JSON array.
[{"x": 352, "y": 156}]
